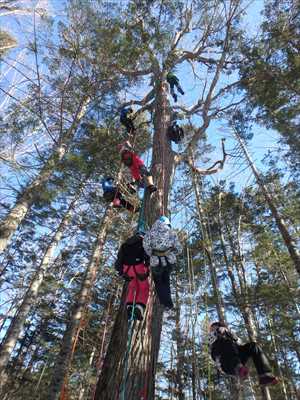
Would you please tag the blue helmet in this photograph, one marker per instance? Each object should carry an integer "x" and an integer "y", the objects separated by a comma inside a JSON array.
[
  {"x": 109, "y": 179},
  {"x": 165, "y": 220}
]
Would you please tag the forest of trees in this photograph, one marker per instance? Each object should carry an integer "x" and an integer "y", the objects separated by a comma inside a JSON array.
[{"x": 67, "y": 68}]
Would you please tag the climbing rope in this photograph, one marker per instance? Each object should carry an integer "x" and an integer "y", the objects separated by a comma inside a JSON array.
[{"x": 141, "y": 225}]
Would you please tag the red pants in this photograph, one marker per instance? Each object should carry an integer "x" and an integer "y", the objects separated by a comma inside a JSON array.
[{"x": 138, "y": 290}]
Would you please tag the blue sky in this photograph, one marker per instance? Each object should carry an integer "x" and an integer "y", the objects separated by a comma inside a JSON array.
[
  {"x": 263, "y": 140},
  {"x": 21, "y": 26}
]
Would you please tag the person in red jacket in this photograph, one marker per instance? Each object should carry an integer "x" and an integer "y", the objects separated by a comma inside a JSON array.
[
  {"x": 139, "y": 172},
  {"x": 133, "y": 265}
]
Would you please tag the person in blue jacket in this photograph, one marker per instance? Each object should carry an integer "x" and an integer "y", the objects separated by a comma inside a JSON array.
[{"x": 111, "y": 193}]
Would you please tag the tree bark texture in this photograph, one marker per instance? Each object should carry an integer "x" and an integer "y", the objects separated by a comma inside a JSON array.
[
  {"x": 142, "y": 369},
  {"x": 109, "y": 380},
  {"x": 144, "y": 348}
]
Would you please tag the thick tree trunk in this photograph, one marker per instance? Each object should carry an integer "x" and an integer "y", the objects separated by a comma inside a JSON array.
[
  {"x": 140, "y": 373},
  {"x": 109, "y": 380},
  {"x": 286, "y": 236},
  {"x": 16, "y": 215},
  {"x": 31, "y": 296},
  {"x": 146, "y": 340},
  {"x": 63, "y": 359}
]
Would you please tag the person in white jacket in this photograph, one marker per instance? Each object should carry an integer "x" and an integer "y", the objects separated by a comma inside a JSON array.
[{"x": 162, "y": 246}]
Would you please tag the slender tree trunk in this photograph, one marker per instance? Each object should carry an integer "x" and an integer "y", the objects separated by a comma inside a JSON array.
[
  {"x": 179, "y": 349},
  {"x": 240, "y": 293},
  {"x": 16, "y": 215},
  {"x": 19, "y": 356},
  {"x": 31, "y": 296},
  {"x": 63, "y": 359},
  {"x": 276, "y": 352},
  {"x": 289, "y": 379},
  {"x": 209, "y": 251},
  {"x": 286, "y": 236},
  {"x": 288, "y": 282},
  {"x": 234, "y": 387},
  {"x": 194, "y": 391},
  {"x": 86, "y": 375}
]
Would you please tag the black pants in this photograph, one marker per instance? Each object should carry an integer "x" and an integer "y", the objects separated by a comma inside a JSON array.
[
  {"x": 232, "y": 354},
  {"x": 162, "y": 286},
  {"x": 111, "y": 196},
  {"x": 125, "y": 203},
  {"x": 127, "y": 122},
  {"x": 175, "y": 134},
  {"x": 178, "y": 87}
]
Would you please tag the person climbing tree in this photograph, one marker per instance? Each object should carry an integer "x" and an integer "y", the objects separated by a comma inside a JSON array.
[
  {"x": 133, "y": 264},
  {"x": 174, "y": 81},
  {"x": 162, "y": 246},
  {"x": 111, "y": 193},
  {"x": 139, "y": 172},
  {"x": 175, "y": 132},
  {"x": 126, "y": 119},
  {"x": 230, "y": 356}
]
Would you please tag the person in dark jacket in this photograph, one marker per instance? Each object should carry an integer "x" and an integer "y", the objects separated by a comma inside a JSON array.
[
  {"x": 139, "y": 172},
  {"x": 111, "y": 193},
  {"x": 126, "y": 119},
  {"x": 133, "y": 264},
  {"x": 231, "y": 357},
  {"x": 175, "y": 132},
  {"x": 174, "y": 81}
]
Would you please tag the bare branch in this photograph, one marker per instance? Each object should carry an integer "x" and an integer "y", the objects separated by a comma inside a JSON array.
[
  {"x": 216, "y": 167},
  {"x": 144, "y": 102},
  {"x": 132, "y": 73}
]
